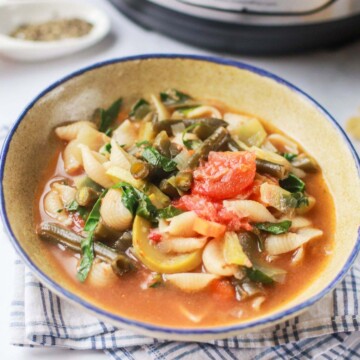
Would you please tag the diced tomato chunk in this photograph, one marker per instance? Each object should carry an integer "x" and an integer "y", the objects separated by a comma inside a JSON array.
[
  {"x": 212, "y": 211},
  {"x": 225, "y": 175},
  {"x": 204, "y": 207},
  {"x": 222, "y": 290},
  {"x": 155, "y": 235}
]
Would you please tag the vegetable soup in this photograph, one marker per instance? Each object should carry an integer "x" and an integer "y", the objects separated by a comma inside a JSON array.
[{"x": 183, "y": 212}]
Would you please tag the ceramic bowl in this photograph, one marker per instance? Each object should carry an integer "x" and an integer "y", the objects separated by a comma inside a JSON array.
[
  {"x": 14, "y": 14},
  {"x": 31, "y": 144}
]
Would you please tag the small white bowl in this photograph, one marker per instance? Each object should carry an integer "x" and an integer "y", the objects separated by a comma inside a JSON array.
[{"x": 14, "y": 14}]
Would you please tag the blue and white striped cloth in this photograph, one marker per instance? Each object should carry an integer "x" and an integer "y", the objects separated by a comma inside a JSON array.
[{"x": 329, "y": 330}]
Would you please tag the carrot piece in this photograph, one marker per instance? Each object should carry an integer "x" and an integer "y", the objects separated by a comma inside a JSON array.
[
  {"x": 222, "y": 289},
  {"x": 208, "y": 228}
]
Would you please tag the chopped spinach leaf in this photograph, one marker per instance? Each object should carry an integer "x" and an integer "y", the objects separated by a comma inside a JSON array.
[
  {"x": 108, "y": 147},
  {"x": 87, "y": 251},
  {"x": 94, "y": 216},
  {"x": 292, "y": 183},
  {"x": 187, "y": 109},
  {"x": 169, "y": 212},
  {"x": 108, "y": 116},
  {"x": 156, "y": 281},
  {"x": 174, "y": 97},
  {"x": 153, "y": 157},
  {"x": 274, "y": 228},
  {"x": 289, "y": 156},
  {"x": 258, "y": 276},
  {"x": 137, "y": 202},
  {"x": 139, "y": 110},
  {"x": 87, "y": 244},
  {"x": 108, "y": 132},
  {"x": 75, "y": 207},
  {"x": 83, "y": 212}
]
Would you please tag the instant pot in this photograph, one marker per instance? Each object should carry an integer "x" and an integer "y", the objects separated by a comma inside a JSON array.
[{"x": 256, "y": 27}]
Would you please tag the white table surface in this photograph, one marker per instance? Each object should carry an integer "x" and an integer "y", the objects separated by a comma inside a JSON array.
[{"x": 331, "y": 77}]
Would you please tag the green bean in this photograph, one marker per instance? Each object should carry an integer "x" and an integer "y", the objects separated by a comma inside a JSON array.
[
  {"x": 122, "y": 264},
  {"x": 203, "y": 131},
  {"x": 56, "y": 233},
  {"x": 213, "y": 122},
  {"x": 212, "y": 143},
  {"x": 162, "y": 143},
  {"x": 183, "y": 180},
  {"x": 165, "y": 125},
  {"x": 140, "y": 169},
  {"x": 262, "y": 166},
  {"x": 86, "y": 196},
  {"x": 124, "y": 241},
  {"x": 167, "y": 186},
  {"x": 119, "y": 261},
  {"x": 267, "y": 167},
  {"x": 104, "y": 233}
]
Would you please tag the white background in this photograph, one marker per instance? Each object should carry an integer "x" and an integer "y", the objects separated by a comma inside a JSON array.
[{"x": 331, "y": 77}]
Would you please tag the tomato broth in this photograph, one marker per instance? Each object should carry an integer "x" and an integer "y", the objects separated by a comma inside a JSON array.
[{"x": 167, "y": 305}]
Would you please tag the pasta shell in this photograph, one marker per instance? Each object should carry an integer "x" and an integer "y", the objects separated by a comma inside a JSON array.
[
  {"x": 126, "y": 134},
  {"x": 299, "y": 222},
  {"x": 55, "y": 208},
  {"x": 298, "y": 256},
  {"x": 283, "y": 144},
  {"x": 181, "y": 244},
  {"x": 94, "y": 168},
  {"x": 163, "y": 225},
  {"x": 71, "y": 131},
  {"x": 250, "y": 209},
  {"x": 119, "y": 156},
  {"x": 92, "y": 138},
  {"x": 281, "y": 244},
  {"x": 113, "y": 212},
  {"x": 160, "y": 108},
  {"x": 101, "y": 274},
  {"x": 72, "y": 157},
  {"x": 194, "y": 315},
  {"x": 72, "y": 154},
  {"x": 67, "y": 193},
  {"x": 190, "y": 282},
  {"x": 213, "y": 259},
  {"x": 204, "y": 111},
  {"x": 182, "y": 225}
]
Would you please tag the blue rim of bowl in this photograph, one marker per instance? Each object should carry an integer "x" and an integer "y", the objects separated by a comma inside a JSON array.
[{"x": 218, "y": 330}]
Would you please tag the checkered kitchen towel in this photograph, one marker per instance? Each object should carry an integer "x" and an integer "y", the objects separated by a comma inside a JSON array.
[{"x": 329, "y": 330}]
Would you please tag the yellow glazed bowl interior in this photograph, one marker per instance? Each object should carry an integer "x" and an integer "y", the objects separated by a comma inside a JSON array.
[{"x": 31, "y": 145}]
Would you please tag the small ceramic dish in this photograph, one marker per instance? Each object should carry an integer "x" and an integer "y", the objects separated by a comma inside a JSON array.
[
  {"x": 31, "y": 144},
  {"x": 15, "y": 14}
]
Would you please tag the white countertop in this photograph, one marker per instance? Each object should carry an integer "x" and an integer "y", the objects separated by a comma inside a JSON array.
[{"x": 331, "y": 77}]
